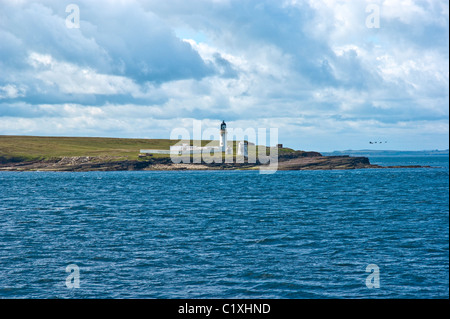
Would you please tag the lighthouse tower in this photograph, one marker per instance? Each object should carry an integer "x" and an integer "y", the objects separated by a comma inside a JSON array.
[{"x": 223, "y": 136}]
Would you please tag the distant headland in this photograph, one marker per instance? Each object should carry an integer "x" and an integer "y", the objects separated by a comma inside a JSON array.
[
  {"x": 373, "y": 153},
  {"x": 35, "y": 153}
]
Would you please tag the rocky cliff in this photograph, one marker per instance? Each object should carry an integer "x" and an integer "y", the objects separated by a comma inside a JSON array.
[{"x": 304, "y": 161}]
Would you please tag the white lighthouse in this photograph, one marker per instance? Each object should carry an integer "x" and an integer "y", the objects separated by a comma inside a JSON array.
[
  {"x": 184, "y": 148},
  {"x": 223, "y": 136}
]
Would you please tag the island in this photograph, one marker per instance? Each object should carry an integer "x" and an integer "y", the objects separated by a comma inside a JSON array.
[{"x": 82, "y": 154}]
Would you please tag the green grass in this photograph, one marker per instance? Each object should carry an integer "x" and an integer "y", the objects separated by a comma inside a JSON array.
[
  {"x": 45, "y": 148},
  {"x": 27, "y": 148}
]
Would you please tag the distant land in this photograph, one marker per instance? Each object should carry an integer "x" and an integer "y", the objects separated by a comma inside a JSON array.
[
  {"x": 371, "y": 153},
  {"x": 43, "y": 153}
]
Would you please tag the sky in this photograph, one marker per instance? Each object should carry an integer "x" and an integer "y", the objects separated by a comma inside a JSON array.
[{"x": 328, "y": 74}]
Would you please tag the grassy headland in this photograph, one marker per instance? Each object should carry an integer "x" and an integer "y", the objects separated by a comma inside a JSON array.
[
  {"x": 25, "y": 153},
  {"x": 31, "y": 148}
]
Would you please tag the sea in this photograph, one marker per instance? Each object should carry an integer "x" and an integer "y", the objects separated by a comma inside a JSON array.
[{"x": 338, "y": 234}]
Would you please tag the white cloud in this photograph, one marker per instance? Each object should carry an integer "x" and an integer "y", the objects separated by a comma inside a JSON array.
[
  {"x": 11, "y": 91},
  {"x": 311, "y": 68},
  {"x": 72, "y": 79}
]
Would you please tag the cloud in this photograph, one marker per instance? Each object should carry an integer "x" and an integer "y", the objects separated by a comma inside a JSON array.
[
  {"x": 71, "y": 79},
  {"x": 10, "y": 91},
  {"x": 310, "y": 68},
  {"x": 145, "y": 49}
]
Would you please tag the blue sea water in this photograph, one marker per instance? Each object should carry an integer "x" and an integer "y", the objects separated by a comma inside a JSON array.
[{"x": 227, "y": 234}]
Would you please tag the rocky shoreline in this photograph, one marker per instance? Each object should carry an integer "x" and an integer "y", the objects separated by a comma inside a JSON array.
[{"x": 307, "y": 161}]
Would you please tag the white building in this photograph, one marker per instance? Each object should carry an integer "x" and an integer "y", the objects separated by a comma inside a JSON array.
[
  {"x": 188, "y": 149},
  {"x": 242, "y": 148}
]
